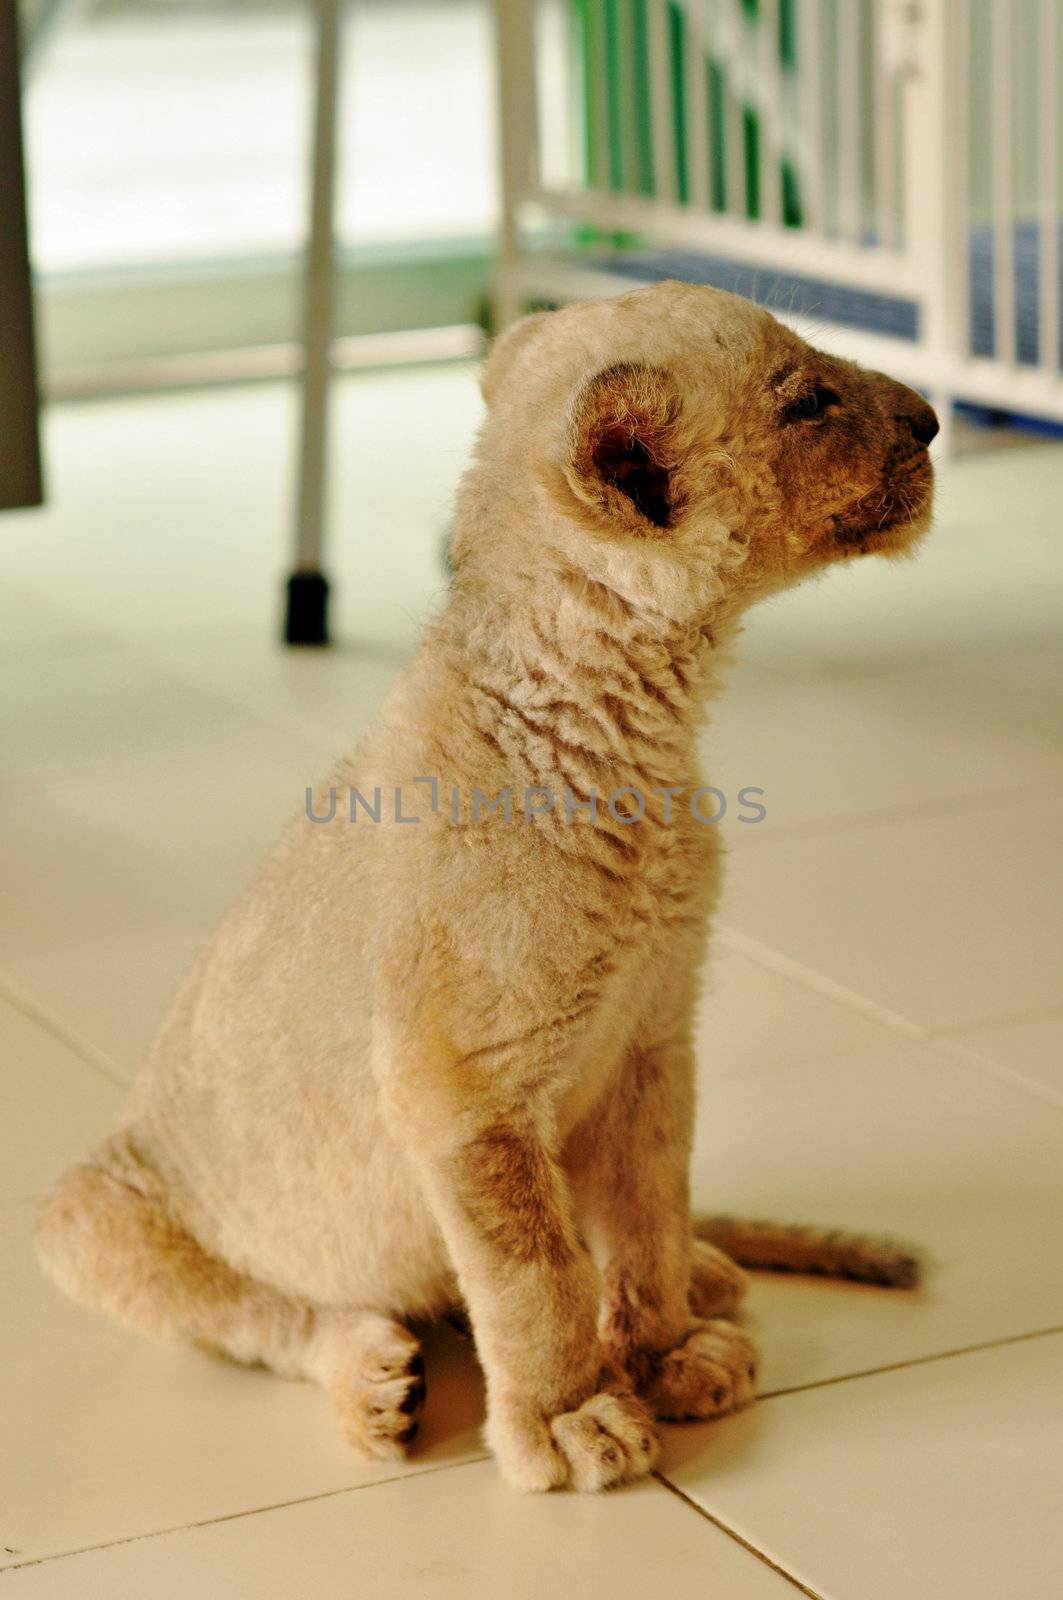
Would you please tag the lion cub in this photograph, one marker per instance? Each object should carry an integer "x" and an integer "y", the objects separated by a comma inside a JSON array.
[{"x": 440, "y": 1052}]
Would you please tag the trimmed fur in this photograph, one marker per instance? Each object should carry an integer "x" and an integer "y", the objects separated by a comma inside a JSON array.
[{"x": 451, "y": 1061}]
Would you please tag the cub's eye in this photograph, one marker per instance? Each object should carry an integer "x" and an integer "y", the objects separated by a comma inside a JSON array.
[{"x": 811, "y": 405}]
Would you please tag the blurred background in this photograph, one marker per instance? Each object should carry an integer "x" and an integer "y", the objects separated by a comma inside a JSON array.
[
  {"x": 169, "y": 153},
  {"x": 824, "y": 157},
  {"x": 169, "y": 173}
]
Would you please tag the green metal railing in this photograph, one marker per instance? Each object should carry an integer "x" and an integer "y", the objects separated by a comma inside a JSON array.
[{"x": 610, "y": 40}]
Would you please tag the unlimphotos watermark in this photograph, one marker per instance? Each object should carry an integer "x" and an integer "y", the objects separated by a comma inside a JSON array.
[{"x": 625, "y": 806}]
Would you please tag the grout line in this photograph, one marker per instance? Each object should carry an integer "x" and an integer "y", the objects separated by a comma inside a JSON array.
[
  {"x": 51, "y": 1024},
  {"x": 446, "y": 1466},
  {"x": 739, "y": 1539},
  {"x": 776, "y": 961},
  {"x": 966, "y": 1056},
  {"x": 1012, "y": 1019},
  {"x": 851, "y": 1377},
  {"x": 236, "y": 1516},
  {"x": 913, "y": 1361},
  {"x": 936, "y": 1040}
]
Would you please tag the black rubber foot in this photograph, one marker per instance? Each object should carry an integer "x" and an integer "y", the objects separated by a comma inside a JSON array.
[{"x": 306, "y": 617}]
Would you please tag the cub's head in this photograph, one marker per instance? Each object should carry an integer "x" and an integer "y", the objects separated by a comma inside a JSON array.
[{"x": 681, "y": 437}]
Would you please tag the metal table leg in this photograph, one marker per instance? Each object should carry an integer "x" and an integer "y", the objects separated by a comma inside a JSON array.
[{"x": 306, "y": 619}]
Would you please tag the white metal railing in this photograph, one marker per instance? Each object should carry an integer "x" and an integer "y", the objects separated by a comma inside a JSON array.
[
  {"x": 1048, "y": 186},
  {"x": 824, "y": 141}
]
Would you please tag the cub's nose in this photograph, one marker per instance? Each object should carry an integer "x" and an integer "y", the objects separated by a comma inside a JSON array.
[{"x": 923, "y": 423}]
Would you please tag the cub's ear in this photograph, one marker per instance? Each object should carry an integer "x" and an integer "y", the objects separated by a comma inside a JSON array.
[
  {"x": 624, "y": 448},
  {"x": 505, "y": 348}
]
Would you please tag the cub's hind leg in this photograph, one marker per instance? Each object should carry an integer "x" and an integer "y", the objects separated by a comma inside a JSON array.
[
  {"x": 107, "y": 1235},
  {"x": 717, "y": 1285},
  {"x": 107, "y": 1238}
]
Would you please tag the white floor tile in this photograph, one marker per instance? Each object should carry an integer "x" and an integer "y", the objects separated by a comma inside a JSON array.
[
  {"x": 159, "y": 548},
  {"x": 109, "y": 1435},
  {"x": 133, "y": 550},
  {"x": 100, "y": 713},
  {"x": 848, "y": 740},
  {"x": 113, "y": 990},
  {"x": 1007, "y": 685},
  {"x": 53, "y": 1105},
  {"x": 32, "y": 620},
  {"x": 952, "y": 917},
  {"x": 939, "y": 1482},
  {"x": 330, "y": 696},
  {"x": 1033, "y": 1049},
  {"x": 752, "y": 1017},
  {"x": 116, "y": 874},
  {"x": 444, "y": 1536},
  {"x": 400, "y": 450},
  {"x": 86, "y": 860},
  {"x": 906, "y": 1142}
]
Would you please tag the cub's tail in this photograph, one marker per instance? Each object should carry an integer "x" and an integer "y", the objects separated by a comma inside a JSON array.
[{"x": 827, "y": 1252}]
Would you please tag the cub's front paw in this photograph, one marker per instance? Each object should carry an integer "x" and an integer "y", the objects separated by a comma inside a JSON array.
[
  {"x": 712, "y": 1372},
  {"x": 606, "y": 1441}
]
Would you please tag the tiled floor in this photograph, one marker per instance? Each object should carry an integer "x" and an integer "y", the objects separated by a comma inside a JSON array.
[{"x": 880, "y": 1044}]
